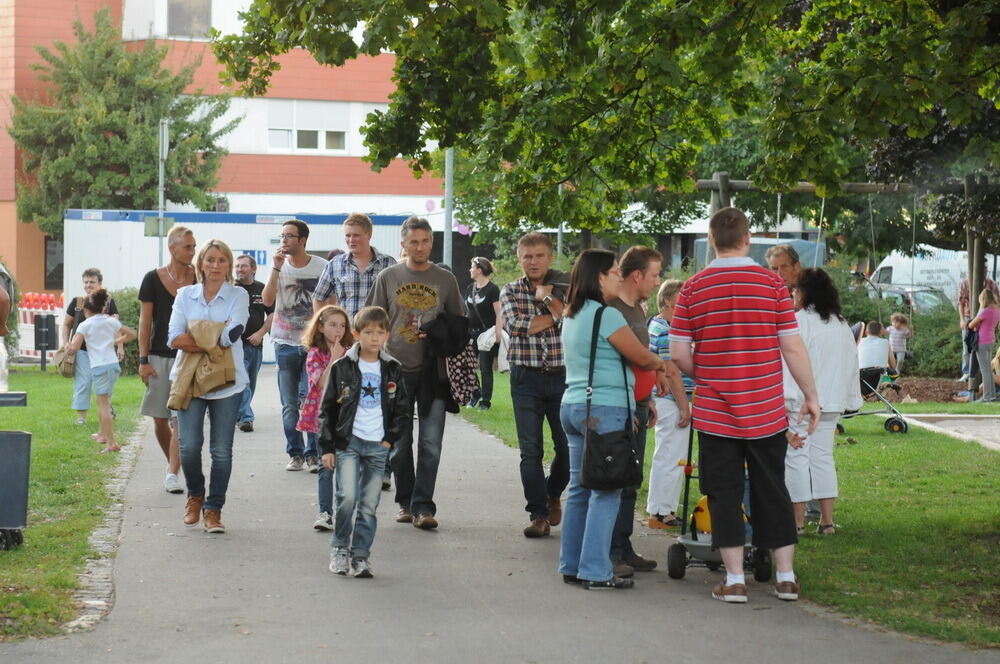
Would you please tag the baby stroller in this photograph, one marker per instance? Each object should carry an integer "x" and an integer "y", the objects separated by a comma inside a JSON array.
[
  {"x": 876, "y": 382},
  {"x": 694, "y": 546}
]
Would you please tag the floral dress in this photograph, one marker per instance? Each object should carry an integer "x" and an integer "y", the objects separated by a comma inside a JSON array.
[{"x": 317, "y": 360}]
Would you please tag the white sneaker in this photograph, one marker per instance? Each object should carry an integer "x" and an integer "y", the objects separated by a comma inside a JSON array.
[
  {"x": 362, "y": 569},
  {"x": 172, "y": 484},
  {"x": 295, "y": 463},
  {"x": 324, "y": 521},
  {"x": 339, "y": 562}
]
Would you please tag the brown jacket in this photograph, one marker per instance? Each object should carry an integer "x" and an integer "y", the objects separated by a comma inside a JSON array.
[{"x": 201, "y": 373}]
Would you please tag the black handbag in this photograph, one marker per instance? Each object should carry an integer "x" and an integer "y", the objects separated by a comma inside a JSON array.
[{"x": 610, "y": 460}]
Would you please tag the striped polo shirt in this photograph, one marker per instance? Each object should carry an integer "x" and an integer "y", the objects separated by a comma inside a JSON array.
[{"x": 734, "y": 311}]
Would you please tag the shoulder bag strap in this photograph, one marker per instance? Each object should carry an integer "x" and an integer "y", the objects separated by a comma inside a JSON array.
[
  {"x": 473, "y": 291},
  {"x": 593, "y": 358}
]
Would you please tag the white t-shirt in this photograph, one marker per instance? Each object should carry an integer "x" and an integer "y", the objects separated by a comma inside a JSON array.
[
  {"x": 293, "y": 303},
  {"x": 99, "y": 332},
  {"x": 873, "y": 352},
  {"x": 368, "y": 418}
]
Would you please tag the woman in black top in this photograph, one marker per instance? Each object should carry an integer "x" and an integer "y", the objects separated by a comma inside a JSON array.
[{"x": 482, "y": 299}]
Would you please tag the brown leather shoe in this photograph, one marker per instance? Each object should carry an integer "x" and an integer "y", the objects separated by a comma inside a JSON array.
[
  {"x": 640, "y": 564},
  {"x": 555, "y": 510},
  {"x": 787, "y": 590},
  {"x": 622, "y": 570},
  {"x": 213, "y": 521},
  {"x": 192, "y": 511},
  {"x": 736, "y": 593},
  {"x": 538, "y": 528},
  {"x": 404, "y": 515},
  {"x": 425, "y": 521}
]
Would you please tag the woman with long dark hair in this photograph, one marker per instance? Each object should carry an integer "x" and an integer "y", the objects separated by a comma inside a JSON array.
[
  {"x": 482, "y": 299},
  {"x": 809, "y": 470},
  {"x": 589, "y": 515}
]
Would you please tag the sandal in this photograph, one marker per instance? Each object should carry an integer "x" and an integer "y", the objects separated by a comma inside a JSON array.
[
  {"x": 800, "y": 530},
  {"x": 826, "y": 529}
]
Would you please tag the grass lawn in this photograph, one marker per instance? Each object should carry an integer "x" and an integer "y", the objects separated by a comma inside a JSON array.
[
  {"x": 918, "y": 541},
  {"x": 66, "y": 499}
]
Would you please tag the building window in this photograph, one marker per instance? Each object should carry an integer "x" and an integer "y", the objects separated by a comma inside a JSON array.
[
  {"x": 336, "y": 140},
  {"x": 53, "y": 264},
  {"x": 307, "y": 139},
  {"x": 304, "y": 125},
  {"x": 189, "y": 18}
]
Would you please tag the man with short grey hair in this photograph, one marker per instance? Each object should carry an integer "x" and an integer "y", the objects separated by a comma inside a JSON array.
[
  {"x": 783, "y": 260},
  {"x": 414, "y": 293}
]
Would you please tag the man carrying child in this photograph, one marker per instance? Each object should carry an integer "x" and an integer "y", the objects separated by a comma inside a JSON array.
[{"x": 364, "y": 412}]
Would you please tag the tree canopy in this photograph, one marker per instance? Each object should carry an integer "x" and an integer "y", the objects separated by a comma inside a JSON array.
[
  {"x": 609, "y": 98},
  {"x": 94, "y": 142}
]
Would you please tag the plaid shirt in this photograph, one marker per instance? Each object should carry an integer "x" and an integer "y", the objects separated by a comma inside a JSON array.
[
  {"x": 543, "y": 350},
  {"x": 343, "y": 279}
]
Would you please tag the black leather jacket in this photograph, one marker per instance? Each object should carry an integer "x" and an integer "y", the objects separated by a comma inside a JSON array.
[{"x": 340, "y": 401}]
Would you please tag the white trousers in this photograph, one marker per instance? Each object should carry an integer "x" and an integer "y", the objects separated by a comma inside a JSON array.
[
  {"x": 809, "y": 471},
  {"x": 666, "y": 477}
]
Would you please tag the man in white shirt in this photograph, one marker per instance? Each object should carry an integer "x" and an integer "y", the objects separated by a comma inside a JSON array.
[{"x": 289, "y": 289}]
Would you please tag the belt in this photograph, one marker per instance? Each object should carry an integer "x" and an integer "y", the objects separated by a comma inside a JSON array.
[{"x": 547, "y": 371}]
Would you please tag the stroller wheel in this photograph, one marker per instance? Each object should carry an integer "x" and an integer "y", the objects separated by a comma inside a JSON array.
[
  {"x": 676, "y": 561},
  {"x": 761, "y": 565},
  {"x": 896, "y": 425}
]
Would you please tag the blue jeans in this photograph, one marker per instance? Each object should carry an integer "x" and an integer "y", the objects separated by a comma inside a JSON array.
[
  {"x": 291, "y": 362},
  {"x": 537, "y": 397},
  {"x": 589, "y": 516},
  {"x": 222, "y": 422},
  {"x": 359, "y": 487},
  {"x": 324, "y": 486},
  {"x": 81, "y": 381},
  {"x": 252, "y": 356},
  {"x": 621, "y": 543},
  {"x": 415, "y": 488}
]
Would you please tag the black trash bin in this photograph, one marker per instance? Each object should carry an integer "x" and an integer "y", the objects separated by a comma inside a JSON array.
[{"x": 15, "y": 459}]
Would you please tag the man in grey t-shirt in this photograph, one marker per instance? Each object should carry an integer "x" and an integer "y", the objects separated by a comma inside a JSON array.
[{"x": 414, "y": 292}]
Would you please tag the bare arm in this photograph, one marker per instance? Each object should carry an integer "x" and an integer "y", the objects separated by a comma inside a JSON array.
[
  {"x": 626, "y": 343},
  {"x": 65, "y": 329},
  {"x": 145, "y": 336},
  {"x": 75, "y": 343},
  {"x": 319, "y": 304},
  {"x": 125, "y": 335},
  {"x": 797, "y": 358},
  {"x": 270, "y": 291},
  {"x": 680, "y": 354},
  {"x": 186, "y": 343}
]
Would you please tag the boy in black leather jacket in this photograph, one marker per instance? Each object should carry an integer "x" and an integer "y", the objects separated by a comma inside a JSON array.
[{"x": 361, "y": 417}]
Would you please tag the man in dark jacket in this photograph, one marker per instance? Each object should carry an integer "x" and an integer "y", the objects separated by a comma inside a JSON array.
[{"x": 364, "y": 412}]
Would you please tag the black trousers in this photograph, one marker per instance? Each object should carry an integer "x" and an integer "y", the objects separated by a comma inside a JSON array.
[{"x": 722, "y": 462}]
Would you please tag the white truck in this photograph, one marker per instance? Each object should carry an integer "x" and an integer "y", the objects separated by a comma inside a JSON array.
[{"x": 943, "y": 269}]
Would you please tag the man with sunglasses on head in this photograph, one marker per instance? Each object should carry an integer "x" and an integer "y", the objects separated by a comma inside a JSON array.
[{"x": 290, "y": 286}]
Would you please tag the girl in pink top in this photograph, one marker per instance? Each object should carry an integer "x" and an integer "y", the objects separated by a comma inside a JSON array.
[
  {"x": 985, "y": 323},
  {"x": 328, "y": 336}
]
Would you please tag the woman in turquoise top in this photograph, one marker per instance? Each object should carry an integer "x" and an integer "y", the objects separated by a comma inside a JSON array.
[{"x": 589, "y": 516}]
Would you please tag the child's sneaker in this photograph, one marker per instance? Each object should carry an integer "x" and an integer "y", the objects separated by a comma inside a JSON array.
[
  {"x": 362, "y": 570},
  {"x": 323, "y": 522},
  {"x": 339, "y": 561}
]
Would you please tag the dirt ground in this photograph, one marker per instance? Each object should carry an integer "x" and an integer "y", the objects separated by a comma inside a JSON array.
[{"x": 928, "y": 389}]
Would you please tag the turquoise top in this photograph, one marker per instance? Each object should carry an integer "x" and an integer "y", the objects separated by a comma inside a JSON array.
[{"x": 609, "y": 383}]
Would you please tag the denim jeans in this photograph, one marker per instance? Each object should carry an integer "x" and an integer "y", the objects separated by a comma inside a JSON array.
[
  {"x": 324, "y": 486},
  {"x": 359, "y": 487},
  {"x": 486, "y": 358},
  {"x": 222, "y": 422},
  {"x": 621, "y": 543},
  {"x": 537, "y": 397},
  {"x": 291, "y": 361},
  {"x": 81, "y": 381},
  {"x": 589, "y": 516},
  {"x": 252, "y": 356},
  {"x": 415, "y": 488}
]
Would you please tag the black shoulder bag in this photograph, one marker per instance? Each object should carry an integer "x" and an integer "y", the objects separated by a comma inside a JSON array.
[{"x": 610, "y": 460}]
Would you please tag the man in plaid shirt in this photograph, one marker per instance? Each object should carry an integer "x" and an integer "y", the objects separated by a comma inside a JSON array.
[
  {"x": 532, "y": 308},
  {"x": 349, "y": 276}
]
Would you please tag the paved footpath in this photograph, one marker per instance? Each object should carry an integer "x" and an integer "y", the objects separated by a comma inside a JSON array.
[{"x": 475, "y": 590}]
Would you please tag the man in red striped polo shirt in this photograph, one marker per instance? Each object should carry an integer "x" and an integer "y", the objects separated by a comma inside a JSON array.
[{"x": 740, "y": 319}]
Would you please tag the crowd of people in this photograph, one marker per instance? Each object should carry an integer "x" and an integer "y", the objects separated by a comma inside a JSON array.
[{"x": 372, "y": 352}]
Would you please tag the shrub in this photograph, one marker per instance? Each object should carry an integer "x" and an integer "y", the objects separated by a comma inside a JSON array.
[
  {"x": 127, "y": 300},
  {"x": 936, "y": 345}
]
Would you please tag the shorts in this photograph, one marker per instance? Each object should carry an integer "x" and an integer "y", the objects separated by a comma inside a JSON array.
[
  {"x": 154, "y": 402},
  {"x": 104, "y": 377}
]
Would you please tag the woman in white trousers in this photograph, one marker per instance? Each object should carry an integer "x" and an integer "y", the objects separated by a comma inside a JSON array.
[{"x": 810, "y": 472}]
